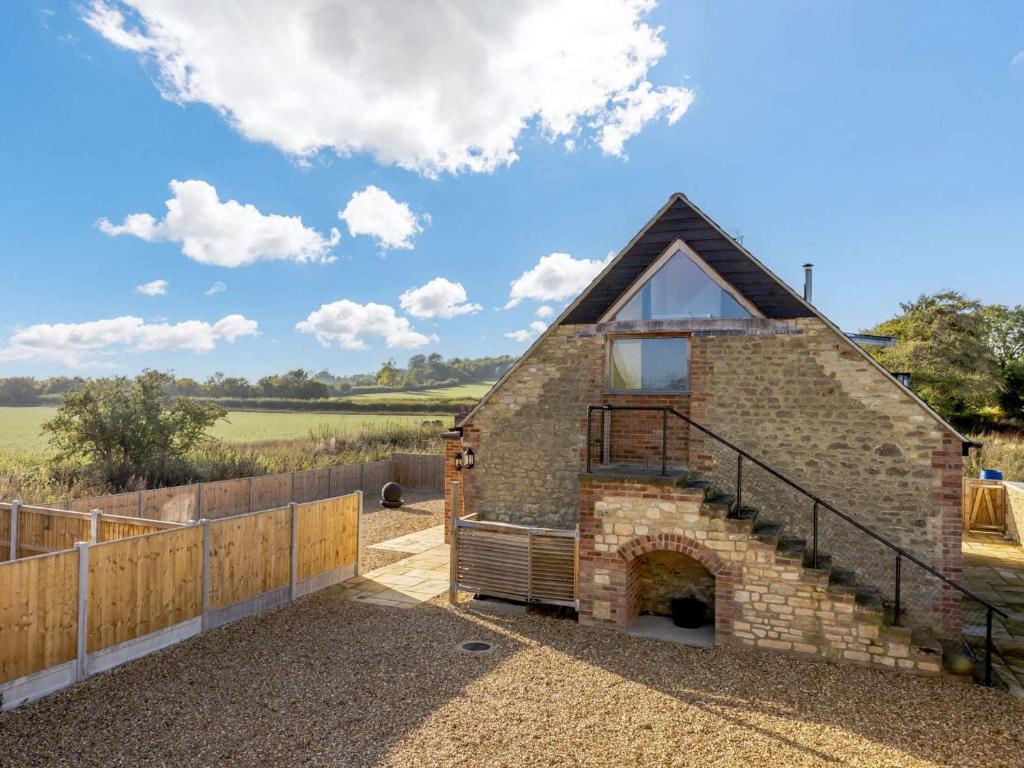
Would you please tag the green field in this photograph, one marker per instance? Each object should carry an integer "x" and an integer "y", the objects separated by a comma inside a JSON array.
[
  {"x": 20, "y": 427},
  {"x": 467, "y": 392}
]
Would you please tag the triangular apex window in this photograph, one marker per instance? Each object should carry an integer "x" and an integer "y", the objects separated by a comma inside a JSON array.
[{"x": 680, "y": 289}]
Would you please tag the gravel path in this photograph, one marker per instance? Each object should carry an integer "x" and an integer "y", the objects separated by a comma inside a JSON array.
[
  {"x": 332, "y": 683},
  {"x": 422, "y": 509}
]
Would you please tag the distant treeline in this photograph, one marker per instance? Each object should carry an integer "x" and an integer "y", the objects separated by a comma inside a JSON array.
[{"x": 422, "y": 372}]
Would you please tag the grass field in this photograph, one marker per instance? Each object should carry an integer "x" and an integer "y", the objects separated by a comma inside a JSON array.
[
  {"x": 20, "y": 427},
  {"x": 467, "y": 392}
]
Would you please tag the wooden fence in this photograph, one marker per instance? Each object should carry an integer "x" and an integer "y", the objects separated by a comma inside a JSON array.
[
  {"x": 69, "y": 614},
  {"x": 225, "y": 498},
  {"x": 515, "y": 562},
  {"x": 40, "y": 530},
  {"x": 984, "y": 505}
]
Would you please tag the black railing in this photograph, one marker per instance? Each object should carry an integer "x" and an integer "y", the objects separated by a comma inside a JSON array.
[{"x": 741, "y": 454}]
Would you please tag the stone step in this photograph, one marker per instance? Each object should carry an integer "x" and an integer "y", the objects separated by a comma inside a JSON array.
[
  {"x": 767, "y": 531},
  {"x": 791, "y": 548},
  {"x": 869, "y": 599},
  {"x": 824, "y": 561},
  {"x": 842, "y": 580}
]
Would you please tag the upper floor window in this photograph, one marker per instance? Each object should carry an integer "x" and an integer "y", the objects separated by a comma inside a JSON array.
[
  {"x": 649, "y": 364},
  {"x": 680, "y": 288}
]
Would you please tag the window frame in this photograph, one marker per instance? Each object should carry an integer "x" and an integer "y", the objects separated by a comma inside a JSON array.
[
  {"x": 610, "y": 339},
  {"x": 675, "y": 247}
]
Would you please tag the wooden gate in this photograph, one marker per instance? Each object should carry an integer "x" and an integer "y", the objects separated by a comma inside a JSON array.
[
  {"x": 984, "y": 505},
  {"x": 515, "y": 562}
]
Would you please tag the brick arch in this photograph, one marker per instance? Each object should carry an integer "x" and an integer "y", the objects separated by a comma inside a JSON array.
[{"x": 673, "y": 542}]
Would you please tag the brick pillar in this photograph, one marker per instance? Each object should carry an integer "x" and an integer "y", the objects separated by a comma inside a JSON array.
[
  {"x": 947, "y": 497},
  {"x": 700, "y": 458},
  {"x": 452, "y": 447}
]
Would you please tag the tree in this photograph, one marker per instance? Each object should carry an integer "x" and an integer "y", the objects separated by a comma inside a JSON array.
[
  {"x": 294, "y": 384},
  {"x": 388, "y": 375},
  {"x": 130, "y": 431},
  {"x": 18, "y": 390},
  {"x": 1005, "y": 333},
  {"x": 943, "y": 340}
]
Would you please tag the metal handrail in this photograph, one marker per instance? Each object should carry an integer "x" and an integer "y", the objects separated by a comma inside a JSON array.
[{"x": 818, "y": 502}]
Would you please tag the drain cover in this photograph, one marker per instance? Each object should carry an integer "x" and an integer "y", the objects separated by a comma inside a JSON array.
[{"x": 475, "y": 646}]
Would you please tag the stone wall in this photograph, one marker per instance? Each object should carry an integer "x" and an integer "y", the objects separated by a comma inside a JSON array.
[
  {"x": 762, "y": 599},
  {"x": 1015, "y": 511},
  {"x": 529, "y": 437},
  {"x": 816, "y": 410}
]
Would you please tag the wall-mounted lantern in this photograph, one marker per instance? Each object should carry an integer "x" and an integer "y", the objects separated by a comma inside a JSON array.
[
  {"x": 469, "y": 458},
  {"x": 458, "y": 462}
]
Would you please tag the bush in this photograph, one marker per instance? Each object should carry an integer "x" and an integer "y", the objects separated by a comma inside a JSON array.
[{"x": 129, "y": 432}]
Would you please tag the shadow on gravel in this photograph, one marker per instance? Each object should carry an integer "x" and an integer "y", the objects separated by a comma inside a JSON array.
[
  {"x": 944, "y": 720},
  {"x": 320, "y": 682}
]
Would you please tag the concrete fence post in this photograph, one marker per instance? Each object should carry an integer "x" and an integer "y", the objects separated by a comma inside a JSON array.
[
  {"x": 250, "y": 493},
  {"x": 453, "y": 546},
  {"x": 82, "y": 658},
  {"x": 292, "y": 499},
  {"x": 205, "y": 602},
  {"x": 94, "y": 525},
  {"x": 142, "y": 503},
  {"x": 199, "y": 515},
  {"x": 295, "y": 550},
  {"x": 359, "y": 531},
  {"x": 15, "y": 509},
  {"x": 362, "y": 471}
]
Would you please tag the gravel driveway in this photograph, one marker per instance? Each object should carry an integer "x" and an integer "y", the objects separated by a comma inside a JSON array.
[{"x": 325, "y": 682}]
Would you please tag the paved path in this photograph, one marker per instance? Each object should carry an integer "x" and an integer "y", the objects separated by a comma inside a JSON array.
[
  {"x": 409, "y": 582},
  {"x": 994, "y": 570}
]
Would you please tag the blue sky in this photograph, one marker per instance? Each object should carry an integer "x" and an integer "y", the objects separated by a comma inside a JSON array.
[{"x": 881, "y": 141}]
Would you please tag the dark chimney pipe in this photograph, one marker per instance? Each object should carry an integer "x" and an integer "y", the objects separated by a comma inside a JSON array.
[{"x": 808, "y": 277}]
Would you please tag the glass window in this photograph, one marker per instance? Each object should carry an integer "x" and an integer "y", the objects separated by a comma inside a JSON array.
[
  {"x": 680, "y": 289},
  {"x": 656, "y": 364}
]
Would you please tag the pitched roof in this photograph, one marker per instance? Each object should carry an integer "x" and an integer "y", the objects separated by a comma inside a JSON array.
[{"x": 681, "y": 219}]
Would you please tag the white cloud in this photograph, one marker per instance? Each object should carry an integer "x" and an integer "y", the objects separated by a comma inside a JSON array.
[
  {"x": 375, "y": 213},
  {"x": 545, "y": 311},
  {"x": 348, "y": 325},
  {"x": 78, "y": 344},
  {"x": 529, "y": 334},
  {"x": 556, "y": 276},
  {"x": 153, "y": 288},
  {"x": 215, "y": 288},
  {"x": 1017, "y": 59},
  {"x": 225, "y": 234},
  {"x": 438, "y": 298},
  {"x": 637, "y": 108},
  {"x": 432, "y": 86}
]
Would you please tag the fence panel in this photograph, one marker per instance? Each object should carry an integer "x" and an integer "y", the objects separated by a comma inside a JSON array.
[
  {"x": 38, "y": 613},
  {"x": 5, "y": 532},
  {"x": 375, "y": 475},
  {"x": 177, "y": 504},
  {"x": 43, "y": 530},
  {"x": 144, "y": 584},
  {"x": 114, "y": 528},
  {"x": 419, "y": 470},
  {"x": 249, "y": 555},
  {"x": 271, "y": 491},
  {"x": 224, "y": 498},
  {"x": 124, "y": 504},
  {"x": 984, "y": 504},
  {"x": 328, "y": 535},
  {"x": 346, "y": 478}
]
